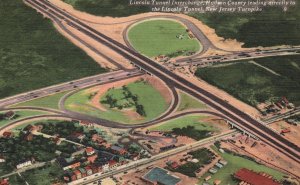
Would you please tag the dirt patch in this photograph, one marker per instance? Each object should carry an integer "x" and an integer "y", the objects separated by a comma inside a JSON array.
[
  {"x": 133, "y": 115},
  {"x": 219, "y": 123},
  {"x": 292, "y": 136},
  {"x": 263, "y": 153},
  {"x": 161, "y": 87}
]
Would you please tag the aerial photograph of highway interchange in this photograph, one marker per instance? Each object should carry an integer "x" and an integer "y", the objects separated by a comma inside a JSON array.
[{"x": 100, "y": 92}]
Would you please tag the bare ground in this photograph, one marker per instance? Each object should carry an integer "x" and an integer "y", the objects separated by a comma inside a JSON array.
[{"x": 263, "y": 153}]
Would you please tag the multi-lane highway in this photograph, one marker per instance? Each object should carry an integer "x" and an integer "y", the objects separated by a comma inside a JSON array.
[
  {"x": 232, "y": 113},
  {"x": 76, "y": 84},
  {"x": 212, "y": 60}
]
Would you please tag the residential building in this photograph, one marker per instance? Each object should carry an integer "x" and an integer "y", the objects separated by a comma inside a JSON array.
[
  {"x": 77, "y": 173},
  {"x": 68, "y": 163},
  {"x": 92, "y": 158},
  {"x": 105, "y": 167},
  {"x": 118, "y": 150},
  {"x": 113, "y": 164},
  {"x": 88, "y": 170},
  {"x": 89, "y": 151},
  {"x": 83, "y": 172},
  {"x": 86, "y": 124}
]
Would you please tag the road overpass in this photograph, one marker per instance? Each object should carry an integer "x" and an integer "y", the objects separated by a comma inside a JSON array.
[
  {"x": 243, "y": 55},
  {"x": 232, "y": 113}
]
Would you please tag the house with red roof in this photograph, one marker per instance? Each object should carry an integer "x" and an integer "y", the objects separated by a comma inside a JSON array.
[
  {"x": 113, "y": 164},
  {"x": 118, "y": 150},
  {"x": 86, "y": 124},
  {"x": 174, "y": 165},
  {"x": 77, "y": 173},
  {"x": 88, "y": 170},
  {"x": 253, "y": 178},
  {"x": 92, "y": 158},
  {"x": 4, "y": 181},
  {"x": 89, "y": 151},
  {"x": 98, "y": 139}
]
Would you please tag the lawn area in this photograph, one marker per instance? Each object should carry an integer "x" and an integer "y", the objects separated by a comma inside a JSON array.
[
  {"x": 235, "y": 163},
  {"x": 184, "y": 121},
  {"x": 253, "y": 84},
  {"x": 160, "y": 37},
  {"x": 191, "y": 126},
  {"x": 20, "y": 115},
  {"x": 188, "y": 102},
  {"x": 153, "y": 102},
  {"x": 45, "y": 102},
  {"x": 33, "y": 54},
  {"x": 43, "y": 176}
]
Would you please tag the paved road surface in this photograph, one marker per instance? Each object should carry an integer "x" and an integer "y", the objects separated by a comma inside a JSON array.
[{"x": 89, "y": 81}]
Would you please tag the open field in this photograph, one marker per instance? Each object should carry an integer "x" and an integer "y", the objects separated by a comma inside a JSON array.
[
  {"x": 193, "y": 126},
  {"x": 44, "y": 175},
  {"x": 187, "y": 102},
  {"x": 153, "y": 102},
  {"x": 235, "y": 163},
  {"x": 20, "y": 115},
  {"x": 161, "y": 37},
  {"x": 192, "y": 120},
  {"x": 33, "y": 54},
  {"x": 50, "y": 101},
  {"x": 254, "y": 84}
]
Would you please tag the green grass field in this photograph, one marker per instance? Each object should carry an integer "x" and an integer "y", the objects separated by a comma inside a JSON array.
[
  {"x": 21, "y": 114},
  {"x": 188, "y": 102},
  {"x": 33, "y": 54},
  {"x": 235, "y": 163},
  {"x": 45, "y": 102},
  {"x": 190, "y": 120},
  {"x": 153, "y": 102},
  {"x": 253, "y": 84},
  {"x": 159, "y": 37}
]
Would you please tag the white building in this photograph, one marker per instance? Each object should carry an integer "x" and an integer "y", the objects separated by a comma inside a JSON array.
[{"x": 24, "y": 164}]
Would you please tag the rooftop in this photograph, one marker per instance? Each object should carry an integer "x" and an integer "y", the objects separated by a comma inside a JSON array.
[
  {"x": 254, "y": 178},
  {"x": 161, "y": 176}
]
